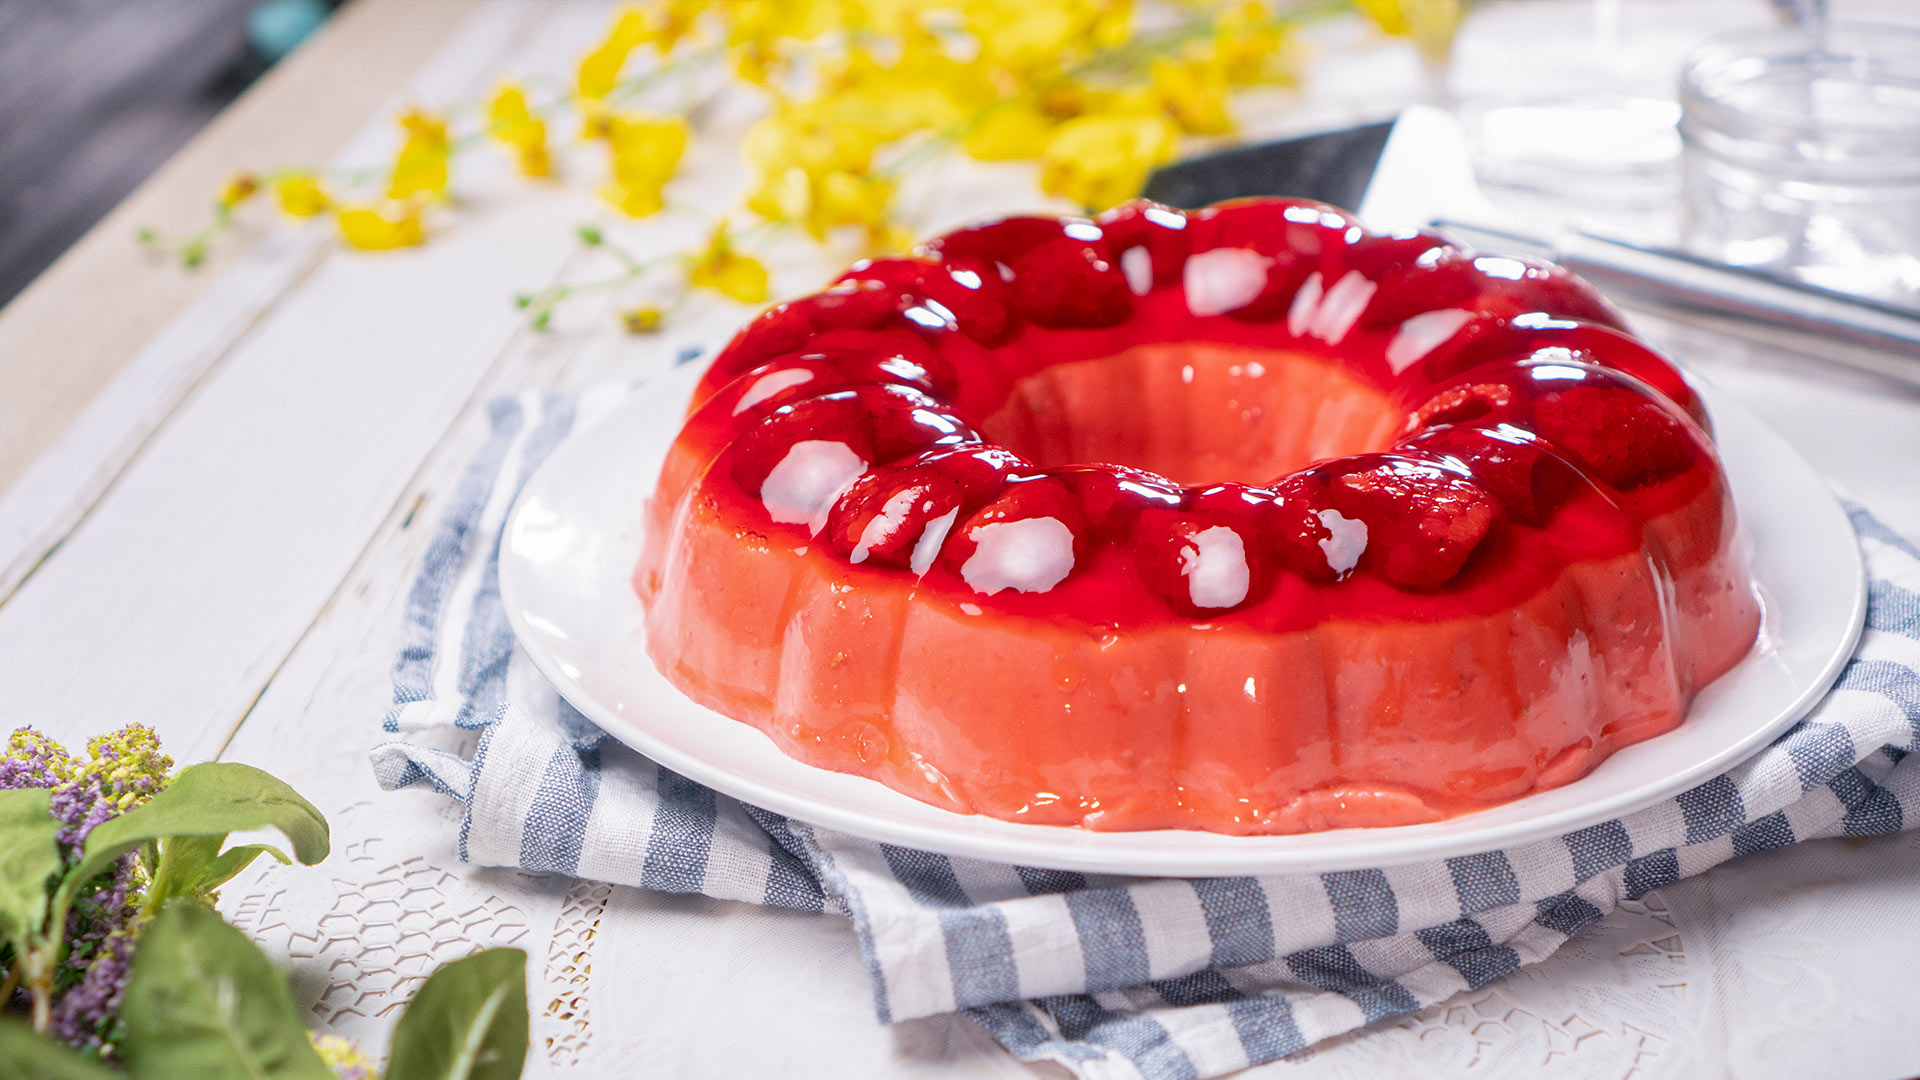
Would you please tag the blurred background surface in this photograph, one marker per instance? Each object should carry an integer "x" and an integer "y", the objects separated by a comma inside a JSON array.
[{"x": 95, "y": 94}]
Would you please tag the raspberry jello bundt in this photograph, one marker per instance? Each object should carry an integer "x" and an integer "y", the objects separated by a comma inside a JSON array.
[{"x": 1246, "y": 520}]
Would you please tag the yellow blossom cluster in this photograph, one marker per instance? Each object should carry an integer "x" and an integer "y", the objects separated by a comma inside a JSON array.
[
  {"x": 520, "y": 129},
  {"x": 858, "y": 93},
  {"x": 1073, "y": 84}
]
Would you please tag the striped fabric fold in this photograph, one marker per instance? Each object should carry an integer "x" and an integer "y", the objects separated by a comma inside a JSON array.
[{"x": 1111, "y": 977}]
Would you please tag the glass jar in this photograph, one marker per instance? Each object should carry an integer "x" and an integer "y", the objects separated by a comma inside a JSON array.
[{"x": 1801, "y": 154}]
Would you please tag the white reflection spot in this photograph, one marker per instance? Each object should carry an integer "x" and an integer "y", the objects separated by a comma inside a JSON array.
[
  {"x": 1494, "y": 266},
  {"x": 768, "y": 385},
  {"x": 1031, "y": 555},
  {"x": 1422, "y": 334},
  {"x": 927, "y": 548},
  {"x": 1306, "y": 303},
  {"x": 1347, "y": 542},
  {"x": 802, "y": 488},
  {"x": 1328, "y": 313},
  {"x": 1137, "y": 264},
  {"x": 1223, "y": 280},
  {"x": 1557, "y": 371},
  {"x": 1343, "y": 306},
  {"x": 1215, "y": 566},
  {"x": 892, "y": 515}
]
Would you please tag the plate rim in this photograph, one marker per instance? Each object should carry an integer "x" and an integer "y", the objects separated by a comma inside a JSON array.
[{"x": 1076, "y": 848}]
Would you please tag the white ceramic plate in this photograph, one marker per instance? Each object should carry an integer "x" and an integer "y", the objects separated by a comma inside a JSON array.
[{"x": 575, "y": 535}]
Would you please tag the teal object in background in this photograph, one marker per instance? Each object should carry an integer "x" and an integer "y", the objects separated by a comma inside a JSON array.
[{"x": 277, "y": 27}]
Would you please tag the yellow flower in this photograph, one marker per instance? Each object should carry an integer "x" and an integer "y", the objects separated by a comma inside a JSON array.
[
  {"x": 726, "y": 271},
  {"x": 1430, "y": 23},
  {"x": 886, "y": 18},
  {"x": 238, "y": 189},
  {"x": 1013, "y": 130},
  {"x": 380, "y": 227},
  {"x": 1252, "y": 47},
  {"x": 645, "y": 151},
  {"x": 600, "y": 68},
  {"x": 1024, "y": 36},
  {"x": 1194, "y": 93},
  {"x": 923, "y": 90},
  {"x": 1103, "y": 159},
  {"x": 760, "y": 31},
  {"x": 420, "y": 168},
  {"x": 1386, "y": 14},
  {"x": 510, "y": 121},
  {"x": 888, "y": 238},
  {"x": 644, "y": 319},
  {"x": 848, "y": 198},
  {"x": 810, "y": 136},
  {"x": 673, "y": 20},
  {"x": 823, "y": 199},
  {"x": 300, "y": 195}
]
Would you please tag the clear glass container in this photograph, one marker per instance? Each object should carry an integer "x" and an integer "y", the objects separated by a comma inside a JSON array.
[{"x": 1801, "y": 154}]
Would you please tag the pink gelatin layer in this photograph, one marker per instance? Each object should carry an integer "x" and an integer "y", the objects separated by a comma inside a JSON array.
[{"x": 1244, "y": 520}]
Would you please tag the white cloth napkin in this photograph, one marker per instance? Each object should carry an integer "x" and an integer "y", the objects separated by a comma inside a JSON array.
[{"x": 1112, "y": 977}]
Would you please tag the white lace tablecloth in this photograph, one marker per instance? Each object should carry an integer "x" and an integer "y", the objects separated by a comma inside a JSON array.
[{"x": 245, "y": 574}]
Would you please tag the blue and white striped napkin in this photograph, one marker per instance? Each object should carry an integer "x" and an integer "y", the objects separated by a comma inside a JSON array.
[{"x": 1113, "y": 977}]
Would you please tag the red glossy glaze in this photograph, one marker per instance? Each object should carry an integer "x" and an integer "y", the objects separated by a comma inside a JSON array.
[{"x": 1245, "y": 520}]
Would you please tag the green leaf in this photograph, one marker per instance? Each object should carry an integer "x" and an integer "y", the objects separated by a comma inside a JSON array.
[
  {"x": 209, "y": 800},
  {"x": 204, "y": 1003},
  {"x": 26, "y": 1056},
  {"x": 29, "y": 856},
  {"x": 196, "y": 866},
  {"x": 469, "y": 1022}
]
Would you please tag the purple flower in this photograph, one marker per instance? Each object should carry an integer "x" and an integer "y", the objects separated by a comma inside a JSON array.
[
  {"x": 122, "y": 770},
  {"x": 31, "y": 760},
  {"x": 87, "y": 1015},
  {"x": 125, "y": 769}
]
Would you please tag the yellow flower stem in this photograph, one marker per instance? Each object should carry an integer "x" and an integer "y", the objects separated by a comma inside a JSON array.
[
  {"x": 932, "y": 146},
  {"x": 567, "y": 98},
  {"x": 684, "y": 64},
  {"x": 540, "y": 305},
  {"x": 190, "y": 249}
]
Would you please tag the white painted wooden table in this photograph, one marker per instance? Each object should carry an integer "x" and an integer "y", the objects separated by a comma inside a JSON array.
[{"x": 218, "y": 546}]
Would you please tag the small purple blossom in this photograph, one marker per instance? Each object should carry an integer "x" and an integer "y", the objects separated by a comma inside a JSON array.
[
  {"x": 31, "y": 760},
  {"x": 122, "y": 770},
  {"x": 87, "y": 1015}
]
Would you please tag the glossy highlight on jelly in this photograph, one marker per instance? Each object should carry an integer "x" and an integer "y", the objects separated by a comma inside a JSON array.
[{"x": 1246, "y": 520}]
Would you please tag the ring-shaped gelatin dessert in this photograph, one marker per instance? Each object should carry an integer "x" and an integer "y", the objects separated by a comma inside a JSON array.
[{"x": 1247, "y": 520}]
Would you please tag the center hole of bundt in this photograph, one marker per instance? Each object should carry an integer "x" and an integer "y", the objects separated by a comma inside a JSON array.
[{"x": 1196, "y": 413}]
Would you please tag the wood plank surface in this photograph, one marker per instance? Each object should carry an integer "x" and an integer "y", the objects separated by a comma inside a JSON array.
[{"x": 79, "y": 323}]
